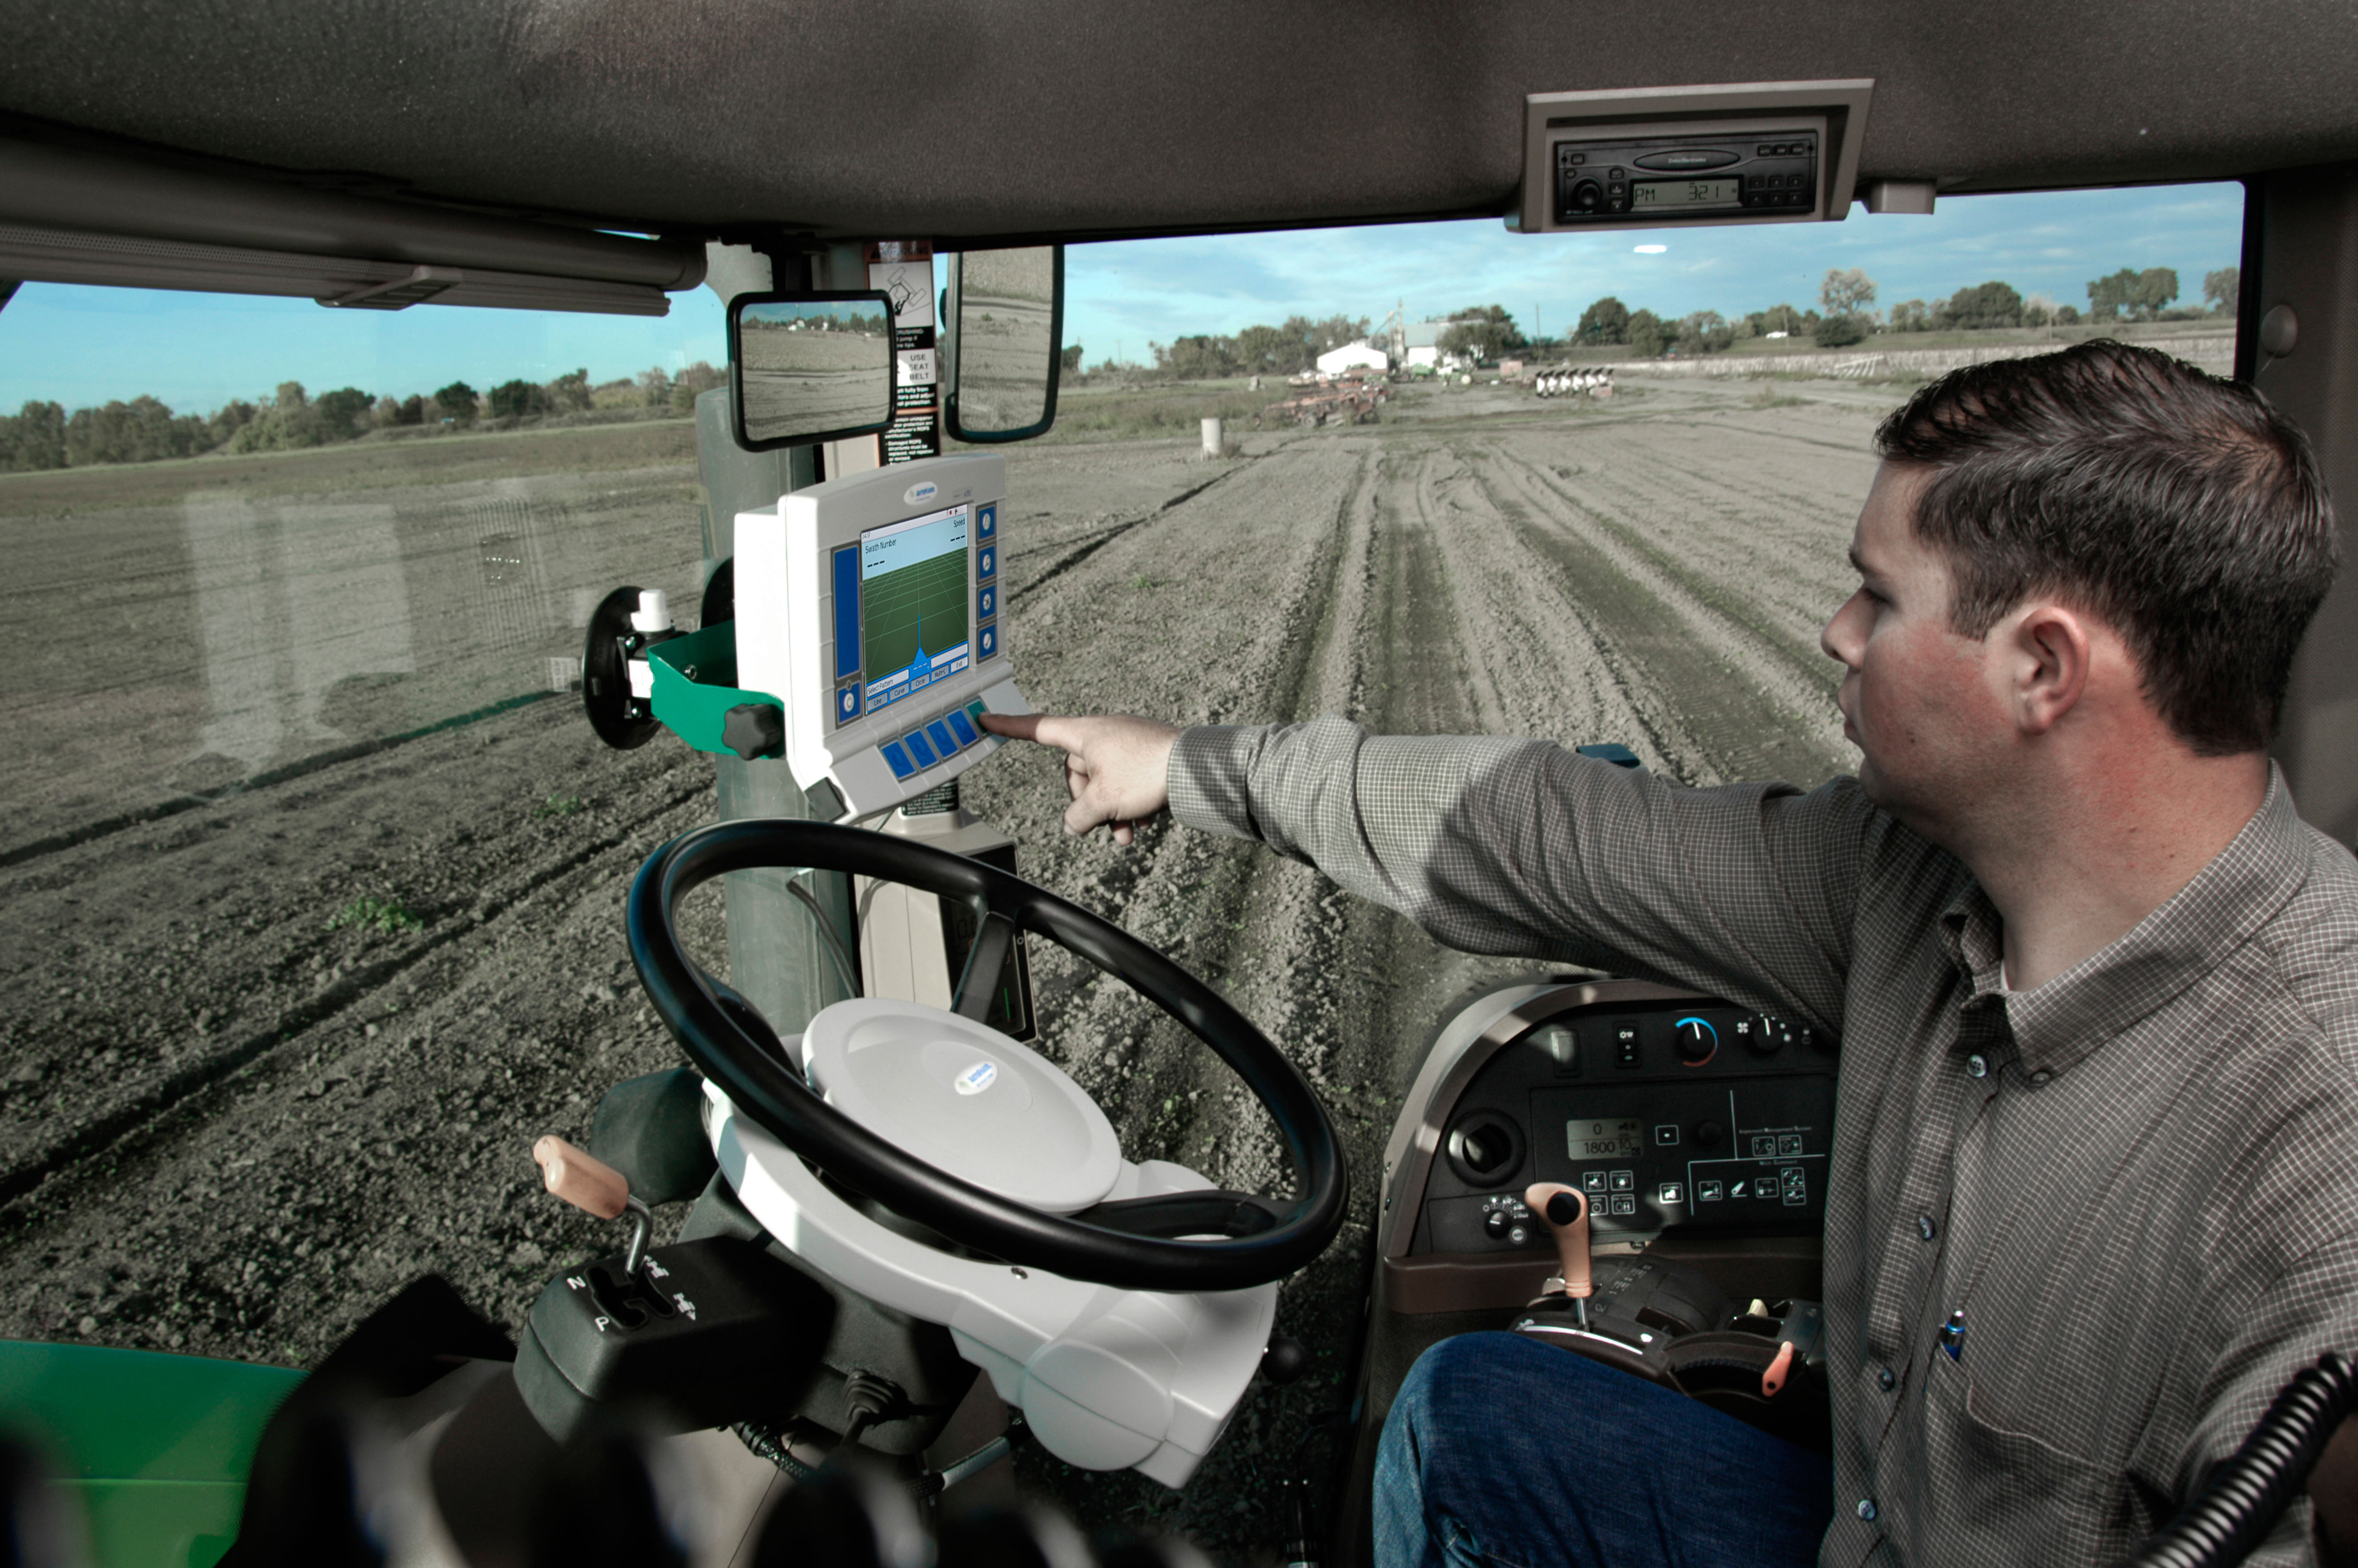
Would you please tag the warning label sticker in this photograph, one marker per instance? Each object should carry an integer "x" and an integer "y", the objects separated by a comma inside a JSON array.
[{"x": 904, "y": 269}]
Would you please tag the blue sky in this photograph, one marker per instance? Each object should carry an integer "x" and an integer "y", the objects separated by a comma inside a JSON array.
[{"x": 80, "y": 346}]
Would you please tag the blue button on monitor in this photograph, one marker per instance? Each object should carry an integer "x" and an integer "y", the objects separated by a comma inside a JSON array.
[
  {"x": 919, "y": 748},
  {"x": 847, "y": 704},
  {"x": 985, "y": 601},
  {"x": 986, "y": 523},
  {"x": 939, "y": 734},
  {"x": 986, "y": 641},
  {"x": 986, "y": 563},
  {"x": 961, "y": 725},
  {"x": 897, "y": 760}
]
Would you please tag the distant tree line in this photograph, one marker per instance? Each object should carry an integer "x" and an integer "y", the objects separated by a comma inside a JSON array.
[
  {"x": 1847, "y": 297},
  {"x": 1258, "y": 351},
  {"x": 42, "y": 435}
]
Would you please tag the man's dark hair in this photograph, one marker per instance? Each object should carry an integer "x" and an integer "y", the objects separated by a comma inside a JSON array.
[{"x": 2176, "y": 506}]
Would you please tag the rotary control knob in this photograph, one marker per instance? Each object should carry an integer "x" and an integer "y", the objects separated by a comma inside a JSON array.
[
  {"x": 1698, "y": 1041},
  {"x": 1709, "y": 1134}
]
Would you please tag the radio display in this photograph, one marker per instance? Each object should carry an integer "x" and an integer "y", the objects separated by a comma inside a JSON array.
[
  {"x": 1651, "y": 194},
  {"x": 1586, "y": 1140}
]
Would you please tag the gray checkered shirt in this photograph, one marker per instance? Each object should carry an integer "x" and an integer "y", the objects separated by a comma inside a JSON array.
[{"x": 2137, "y": 1182}]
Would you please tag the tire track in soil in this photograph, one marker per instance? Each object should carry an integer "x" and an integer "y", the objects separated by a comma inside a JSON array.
[
  {"x": 1105, "y": 536},
  {"x": 263, "y": 1216},
  {"x": 193, "y": 1090},
  {"x": 1799, "y": 679},
  {"x": 1652, "y": 640}
]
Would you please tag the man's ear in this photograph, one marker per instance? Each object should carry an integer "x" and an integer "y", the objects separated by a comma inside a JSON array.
[{"x": 2051, "y": 654}]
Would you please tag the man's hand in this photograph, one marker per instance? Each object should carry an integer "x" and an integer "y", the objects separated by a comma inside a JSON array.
[{"x": 1115, "y": 765}]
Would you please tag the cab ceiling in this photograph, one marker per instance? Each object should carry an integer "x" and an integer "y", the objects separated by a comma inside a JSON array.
[{"x": 1007, "y": 118}]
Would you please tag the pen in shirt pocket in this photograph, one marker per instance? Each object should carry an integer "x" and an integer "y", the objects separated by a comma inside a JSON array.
[{"x": 1952, "y": 1336}]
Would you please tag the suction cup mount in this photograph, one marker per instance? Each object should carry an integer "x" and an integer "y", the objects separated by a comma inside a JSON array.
[{"x": 622, "y": 721}]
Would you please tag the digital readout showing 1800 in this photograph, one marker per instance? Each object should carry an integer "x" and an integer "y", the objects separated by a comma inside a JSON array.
[
  {"x": 1648, "y": 194},
  {"x": 1601, "y": 1139}
]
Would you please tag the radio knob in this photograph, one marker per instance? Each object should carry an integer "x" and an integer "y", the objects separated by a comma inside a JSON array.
[{"x": 1587, "y": 196}]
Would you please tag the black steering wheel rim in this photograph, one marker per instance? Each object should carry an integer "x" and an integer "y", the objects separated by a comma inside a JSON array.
[{"x": 774, "y": 1094}]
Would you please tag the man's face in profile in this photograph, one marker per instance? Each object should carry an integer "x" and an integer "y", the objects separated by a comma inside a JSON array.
[{"x": 1916, "y": 699}]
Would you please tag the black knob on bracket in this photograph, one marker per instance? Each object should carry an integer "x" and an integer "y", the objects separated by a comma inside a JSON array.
[{"x": 754, "y": 730}]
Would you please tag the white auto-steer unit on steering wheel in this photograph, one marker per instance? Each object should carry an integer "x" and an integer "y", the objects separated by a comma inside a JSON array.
[{"x": 1123, "y": 1307}]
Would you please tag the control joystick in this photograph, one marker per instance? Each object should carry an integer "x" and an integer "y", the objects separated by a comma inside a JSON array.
[
  {"x": 1567, "y": 1214},
  {"x": 594, "y": 1187}
]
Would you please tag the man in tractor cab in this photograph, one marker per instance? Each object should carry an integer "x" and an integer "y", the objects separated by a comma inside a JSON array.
[{"x": 2093, "y": 982}]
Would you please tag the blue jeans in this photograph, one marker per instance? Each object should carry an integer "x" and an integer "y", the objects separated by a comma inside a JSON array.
[{"x": 1503, "y": 1451}]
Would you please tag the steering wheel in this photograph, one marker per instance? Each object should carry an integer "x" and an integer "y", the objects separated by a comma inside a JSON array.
[{"x": 1153, "y": 1243}]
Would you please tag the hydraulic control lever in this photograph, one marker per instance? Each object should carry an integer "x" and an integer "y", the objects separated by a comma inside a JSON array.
[
  {"x": 591, "y": 1186},
  {"x": 1567, "y": 1214}
]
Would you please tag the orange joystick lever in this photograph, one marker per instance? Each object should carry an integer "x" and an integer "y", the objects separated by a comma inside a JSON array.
[
  {"x": 593, "y": 1186},
  {"x": 1567, "y": 1214}
]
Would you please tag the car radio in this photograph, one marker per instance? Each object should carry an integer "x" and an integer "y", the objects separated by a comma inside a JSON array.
[
  {"x": 1689, "y": 176},
  {"x": 1660, "y": 158}
]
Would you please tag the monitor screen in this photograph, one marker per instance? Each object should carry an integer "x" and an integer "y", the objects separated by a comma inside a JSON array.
[{"x": 916, "y": 590}]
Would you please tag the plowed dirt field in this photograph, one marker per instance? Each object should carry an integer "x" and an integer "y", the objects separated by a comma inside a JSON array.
[{"x": 231, "y": 1126}]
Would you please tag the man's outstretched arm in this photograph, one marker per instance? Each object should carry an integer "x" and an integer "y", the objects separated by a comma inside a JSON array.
[
  {"x": 1116, "y": 766},
  {"x": 1509, "y": 847}
]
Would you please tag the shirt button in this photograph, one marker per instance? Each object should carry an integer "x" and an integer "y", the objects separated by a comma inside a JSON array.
[
  {"x": 1925, "y": 1228},
  {"x": 1976, "y": 1065},
  {"x": 1866, "y": 1509},
  {"x": 2040, "y": 1076},
  {"x": 1884, "y": 1379}
]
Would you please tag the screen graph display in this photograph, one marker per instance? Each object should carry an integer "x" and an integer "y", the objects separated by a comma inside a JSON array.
[{"x": 915, "y": 593}]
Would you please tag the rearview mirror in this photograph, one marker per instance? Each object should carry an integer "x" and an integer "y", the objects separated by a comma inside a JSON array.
[
  {"x": 1007, "y": 344},
  {"x": 809, "y": 366}
]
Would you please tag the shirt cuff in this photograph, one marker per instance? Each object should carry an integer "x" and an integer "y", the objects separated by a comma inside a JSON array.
[{"x": 1207, "y": 778}]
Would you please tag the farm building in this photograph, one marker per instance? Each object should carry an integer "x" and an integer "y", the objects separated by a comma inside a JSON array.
[
  {"x": 1424, "y": 347},
  {"x": 1353, "y": 356}
]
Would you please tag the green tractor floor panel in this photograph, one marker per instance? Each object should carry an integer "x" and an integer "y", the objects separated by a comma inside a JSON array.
[{"x": 155, "y": 1446}]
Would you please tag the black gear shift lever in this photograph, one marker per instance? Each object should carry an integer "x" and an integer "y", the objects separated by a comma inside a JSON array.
[{"x": 1567, "y": 1214}]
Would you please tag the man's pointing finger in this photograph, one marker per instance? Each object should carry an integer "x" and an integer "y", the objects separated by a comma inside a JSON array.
[{"x": 1044, "y": 727}]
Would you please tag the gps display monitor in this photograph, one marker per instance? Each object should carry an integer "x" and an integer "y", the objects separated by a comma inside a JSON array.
[{"x": 870, "y": 606}]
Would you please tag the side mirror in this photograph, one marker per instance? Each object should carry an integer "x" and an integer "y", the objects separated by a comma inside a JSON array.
[
  {"x": 807, "y": 365},
  {"x": 1007, "y": 310}
]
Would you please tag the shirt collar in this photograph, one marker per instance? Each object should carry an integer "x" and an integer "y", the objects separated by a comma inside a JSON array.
[{"x": 2059, "y": 1023}]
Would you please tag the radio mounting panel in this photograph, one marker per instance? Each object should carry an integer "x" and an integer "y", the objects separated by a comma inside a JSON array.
[{"x": 1659, "y": 157}]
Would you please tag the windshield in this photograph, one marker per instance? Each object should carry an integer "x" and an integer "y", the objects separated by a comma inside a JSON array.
[{"x": 313, "y": 867}]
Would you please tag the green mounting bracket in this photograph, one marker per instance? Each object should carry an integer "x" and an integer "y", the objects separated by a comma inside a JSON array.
[{"x": 695, "y": 690}]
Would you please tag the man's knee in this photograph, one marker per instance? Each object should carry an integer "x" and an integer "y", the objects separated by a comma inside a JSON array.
[{"x": 1457, "y": 1389}]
